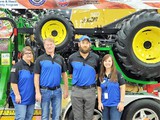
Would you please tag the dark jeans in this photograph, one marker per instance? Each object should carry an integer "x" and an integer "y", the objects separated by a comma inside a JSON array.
[
  {"x": 83, "y": 102},
  {"x": 111, "y": 113}
]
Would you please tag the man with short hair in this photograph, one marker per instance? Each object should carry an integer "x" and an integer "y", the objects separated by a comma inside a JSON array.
[
  {"x": 83, "y": 65},
  {"x": 48, "y": 70}
]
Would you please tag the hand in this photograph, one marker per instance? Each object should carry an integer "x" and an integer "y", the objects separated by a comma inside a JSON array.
[
  {"x": 18, "y": 99},
  {"x": 65, "y": 95},
  {"x": 120, "y": 107},
  {"x": 38, "y": 97},
  {"x": 100, "y": 106}
]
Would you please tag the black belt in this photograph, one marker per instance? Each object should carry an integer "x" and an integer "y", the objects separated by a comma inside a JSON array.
[
  {"x": 50, "y": 88},
  {"x": 85, "y": 87}
]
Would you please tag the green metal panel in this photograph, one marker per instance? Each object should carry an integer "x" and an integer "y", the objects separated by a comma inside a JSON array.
[{"x": 5, "y": 71}]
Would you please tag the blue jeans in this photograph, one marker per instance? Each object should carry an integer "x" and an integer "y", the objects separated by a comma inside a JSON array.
[
  {"x": 111, "y": 113},
  {"x": 54, "y": 97},
  {"x": 23, "y": 112}
]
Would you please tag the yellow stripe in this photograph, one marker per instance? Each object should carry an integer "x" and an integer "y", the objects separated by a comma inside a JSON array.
[
  {"x": 12, "y": 118},
  {"x": 37, "y": 112}
]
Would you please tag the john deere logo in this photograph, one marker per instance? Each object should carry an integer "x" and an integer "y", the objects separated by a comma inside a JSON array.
[
  {"x": 37, "y": 2},
  {"x": 62, "y": 3}
]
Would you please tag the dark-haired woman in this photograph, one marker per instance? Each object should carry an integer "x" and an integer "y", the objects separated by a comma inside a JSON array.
[{"x": 111, "y": 90}]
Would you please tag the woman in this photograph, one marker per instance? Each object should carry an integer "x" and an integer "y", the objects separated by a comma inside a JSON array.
[
  {"x": 22, "y": 84},
  {"x": 111, "y": 90}
]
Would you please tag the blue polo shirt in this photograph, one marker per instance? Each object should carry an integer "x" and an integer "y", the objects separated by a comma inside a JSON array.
[
  {"x": 22, "y": 75},
  {"x": 83, "y": 70},
  {"x": 113, "y": 90},
  {"x": 50, "y": 69}
]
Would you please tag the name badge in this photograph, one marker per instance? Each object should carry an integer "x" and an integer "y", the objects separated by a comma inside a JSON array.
[
  {"x": 103, "y": 82},
  {"x": 105, "y": 95}
]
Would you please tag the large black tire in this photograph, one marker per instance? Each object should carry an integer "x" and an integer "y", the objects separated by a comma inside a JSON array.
[
  {"x": 54, "y": 25},
  {"x": 138, "y": 45},
  {"x": 141, "y": 110}
]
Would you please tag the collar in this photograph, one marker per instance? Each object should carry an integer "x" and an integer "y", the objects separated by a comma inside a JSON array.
[
  {"x": 25, "y": 64},
  {"x": 79, "y": 55},
  {"x": 109, "y": 76},
  {"x": 50, "y": 55}
]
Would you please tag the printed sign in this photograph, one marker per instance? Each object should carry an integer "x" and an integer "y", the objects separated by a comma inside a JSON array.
[
  {"x": 80, "y": 4},
  {"x": 6, "y": 28},
  {"x": 5, "y": 59},
  {"x": 4, "y": 43}
]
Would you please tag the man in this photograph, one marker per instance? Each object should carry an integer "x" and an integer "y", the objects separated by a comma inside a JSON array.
[
  {"x": 48, "y": 70},
  {"x": 83, "y": 65}
]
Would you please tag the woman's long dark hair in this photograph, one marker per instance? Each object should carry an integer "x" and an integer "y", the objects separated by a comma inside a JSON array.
[{"x": 103, "y": 70}]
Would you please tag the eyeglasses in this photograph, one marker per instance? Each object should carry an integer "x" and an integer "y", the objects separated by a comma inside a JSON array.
[{"x": 28, "y": 53}]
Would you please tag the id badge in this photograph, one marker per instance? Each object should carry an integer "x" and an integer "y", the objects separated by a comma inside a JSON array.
[{"x": 105, "y": 95}]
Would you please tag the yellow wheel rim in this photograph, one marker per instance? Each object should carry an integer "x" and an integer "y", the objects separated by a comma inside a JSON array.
[
  {"x": 54, "y": 29},
  {"x": 146, "y": 44}
]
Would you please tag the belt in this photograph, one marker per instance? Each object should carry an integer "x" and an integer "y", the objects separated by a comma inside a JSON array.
[
  {"x": 85, "y": 87},
  {"x": 50, "y": 88}
]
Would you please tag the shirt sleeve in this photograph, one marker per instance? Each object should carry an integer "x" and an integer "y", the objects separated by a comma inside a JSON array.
[
  {"x": 64, "y": 66},
  {"x": 70, "y": 68},
  {"x": 98, "y": 82},
  {"x": 37, "y": 67},
  {"x": 98, "y": 65},
  {"x": 14, "y": 76},
  {"x": 121, "y": 79}
]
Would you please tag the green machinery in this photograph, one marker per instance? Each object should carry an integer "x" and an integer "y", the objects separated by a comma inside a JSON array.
[
  {"x": 11, "y": 42},
  {"x": 110, "y": 38},
  {"x": 5, "y": 55},
  {"x": 132, "y": 39},
  {"x": 5, "y": 65}
]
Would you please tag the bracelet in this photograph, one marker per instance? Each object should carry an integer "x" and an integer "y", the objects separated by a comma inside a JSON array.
[{"x": 121, "y": 101}]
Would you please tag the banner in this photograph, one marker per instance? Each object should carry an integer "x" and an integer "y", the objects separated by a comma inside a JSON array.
[{"x": 80, "y": 4}]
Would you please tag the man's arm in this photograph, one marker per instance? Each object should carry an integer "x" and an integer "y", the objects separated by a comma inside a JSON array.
[
  {"x": 70, "y": 69},
  {"x": 65, "y": 79},
  {"x": 36, "y": 84}
]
